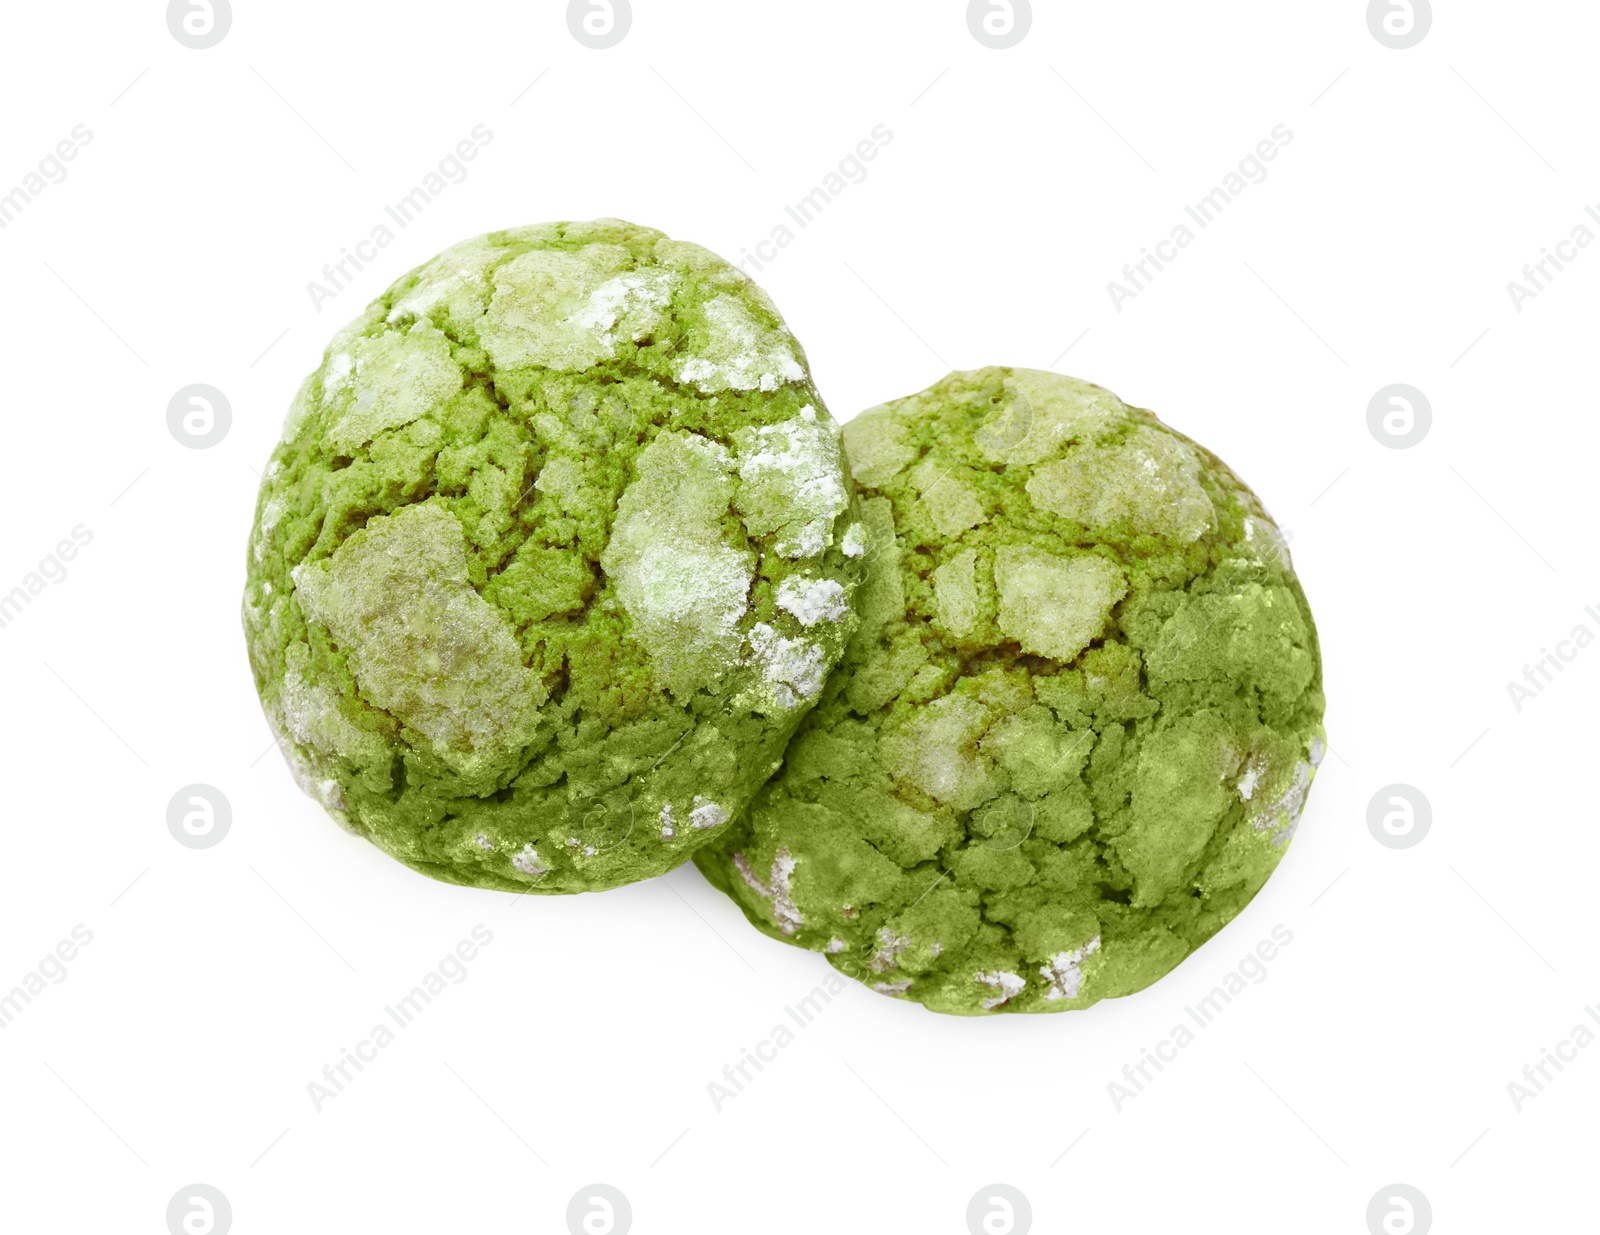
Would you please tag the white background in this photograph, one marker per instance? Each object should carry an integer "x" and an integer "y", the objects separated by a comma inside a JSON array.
[{"x": 219, "y": 982}]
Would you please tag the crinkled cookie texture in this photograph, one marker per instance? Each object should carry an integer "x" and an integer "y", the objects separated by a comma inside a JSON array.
[
  {"x": 552, "y": 559},
  {"x": 1075, "y": 730}
]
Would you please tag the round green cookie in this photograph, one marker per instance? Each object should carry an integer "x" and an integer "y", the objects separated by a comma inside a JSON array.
[
  {"x": 552, "y": 558},
  {"x": 1075, "y": 729}
]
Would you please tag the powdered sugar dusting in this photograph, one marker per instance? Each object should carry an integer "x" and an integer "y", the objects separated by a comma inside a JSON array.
[
  {"x": 793, "y": 476},
  {"x": 793, "y": 668},
  {"x": 813, "y": 600},
  {"x": 707, "y": 814},
  {"x": 1008, "y": 984},
  {"x": 740, "y": 353},
  {"x": 1063, "y": 976}
]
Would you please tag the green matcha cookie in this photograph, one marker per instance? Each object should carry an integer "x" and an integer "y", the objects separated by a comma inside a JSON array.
[
  {"x": 1075, "y": 730},
  {"x": 552, "y": 559}
]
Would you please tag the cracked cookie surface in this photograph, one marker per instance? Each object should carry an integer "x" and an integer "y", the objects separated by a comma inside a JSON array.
[
  {"x": 552, "y": 558},
  {"x": 1076, "y": 727}
]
